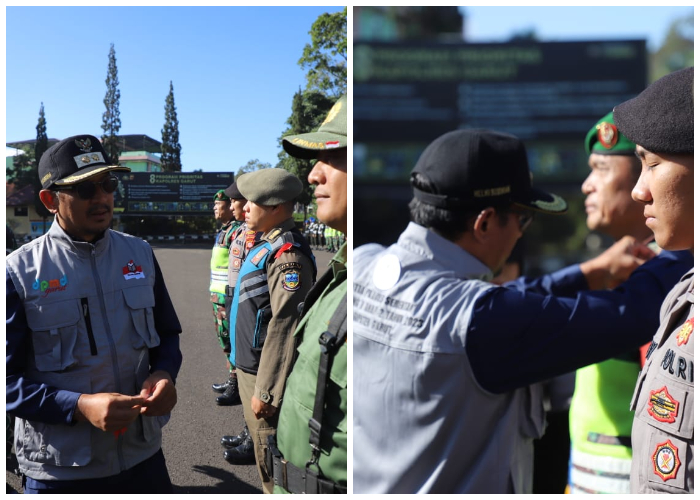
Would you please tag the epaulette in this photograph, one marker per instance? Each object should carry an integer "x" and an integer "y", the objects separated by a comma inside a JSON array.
[{"x": 273, "y": 235}]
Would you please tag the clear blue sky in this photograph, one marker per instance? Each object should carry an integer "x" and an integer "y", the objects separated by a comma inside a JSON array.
[
  {"x": 234, "y": 72},
  {"x": 556, "y": 24}
]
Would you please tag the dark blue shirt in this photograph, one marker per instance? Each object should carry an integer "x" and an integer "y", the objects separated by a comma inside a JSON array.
[{"x": 515, "y": 336}]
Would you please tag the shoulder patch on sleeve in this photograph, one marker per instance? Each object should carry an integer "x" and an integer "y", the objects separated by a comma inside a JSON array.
[{"x": 291, "y": 280}]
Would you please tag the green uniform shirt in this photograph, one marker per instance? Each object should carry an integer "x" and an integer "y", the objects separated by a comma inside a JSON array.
[{"x": 300, "y": 391}]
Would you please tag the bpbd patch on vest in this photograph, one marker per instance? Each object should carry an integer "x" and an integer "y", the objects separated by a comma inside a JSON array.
[
  {"x": 132, "y": 271},
  {"x": 292, "y": 280},
  {"x": 666, "y": 461},
  {"x": 662, "y": 406},
  {"x": 683, "y": 334}
]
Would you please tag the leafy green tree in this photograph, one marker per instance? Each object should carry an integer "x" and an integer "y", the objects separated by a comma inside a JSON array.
[
  {"x": 111, "y": 123},
  {"x": 326, "y": 59},
  {"x": 41, "y": 145},
  {"x": 309, "y": 109},
  {"x": 23, "y": 168},
  {"x": 251, "y": 166},
  {"x": 170, "y": 146},
  {"x": 677, "y": 51}
]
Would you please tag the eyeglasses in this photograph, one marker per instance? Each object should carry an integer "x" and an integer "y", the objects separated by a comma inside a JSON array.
[
  {"x": 524, "y": 218},
  {"x": 86, "y": 190}
]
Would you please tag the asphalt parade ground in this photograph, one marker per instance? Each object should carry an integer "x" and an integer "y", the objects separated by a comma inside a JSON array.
[{"x": 191, "y": 440}]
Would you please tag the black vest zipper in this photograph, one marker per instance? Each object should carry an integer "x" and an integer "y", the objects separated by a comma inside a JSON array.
[{"x": 88, "y": 324}]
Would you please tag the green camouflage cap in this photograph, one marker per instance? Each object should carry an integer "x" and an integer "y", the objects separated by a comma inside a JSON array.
[
  {"x": 269, "y": 186},
  {"x": 605, "y": 139},
  {"x": 221, "y": 195},
  {"x": 332, "y": 134}
]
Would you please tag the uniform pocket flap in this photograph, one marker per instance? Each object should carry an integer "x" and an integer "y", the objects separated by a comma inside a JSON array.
[
  {"x": 139, "y": 297},
  {"x": 140, "y": 301},
  {"x": 52, "y": 316},
  {"x": 54, "y": 334}
]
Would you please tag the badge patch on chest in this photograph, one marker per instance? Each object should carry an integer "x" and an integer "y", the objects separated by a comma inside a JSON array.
[
  {"x": 291, "y": 281},
  {"x": 236, "y": 251},
  {"x": 666, "y": 461},
  {"x": 132, "y": 271},
  {"x": 662, "y": 406},
  {"x": 50, "y": 286},
  {"x": 683, "y": 334}
]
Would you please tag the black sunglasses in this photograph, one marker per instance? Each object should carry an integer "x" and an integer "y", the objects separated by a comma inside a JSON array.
[{"x": 86, "y": 190}]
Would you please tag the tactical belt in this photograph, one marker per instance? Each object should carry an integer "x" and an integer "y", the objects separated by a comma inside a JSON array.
[
  {"x": 296, "y": 480},
  {"x": 286, "y": 474}
]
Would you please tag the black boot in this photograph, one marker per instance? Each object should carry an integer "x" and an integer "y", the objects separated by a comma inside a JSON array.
[
  {"x": 229, "y": 442},
  {"x": 230, "y": 396},
  {"x": 222, "y": 387},
  {"x": 243, "y": 454}
]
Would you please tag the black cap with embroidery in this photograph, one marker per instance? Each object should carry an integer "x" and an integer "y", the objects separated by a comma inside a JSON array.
[
  {"x": 477, "y": 168},
  {"x": 74, "y": 160}
]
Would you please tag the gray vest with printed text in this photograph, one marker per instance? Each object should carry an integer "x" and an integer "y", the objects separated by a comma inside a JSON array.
[{"x": 421, "y": 421}]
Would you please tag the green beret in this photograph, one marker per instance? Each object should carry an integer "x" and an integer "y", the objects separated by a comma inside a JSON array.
[
  {"x": 332, "y": 134},
  {"x": 221, "y": 195},
  {"x": 660, "y": 118},
  {"x": 269, "y": 186},
  {"x": 605, "y": 139}
]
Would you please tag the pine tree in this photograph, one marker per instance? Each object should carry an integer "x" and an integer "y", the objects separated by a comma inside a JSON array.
[
  {"x": 41, "y": 145},
  {"x": 110, "y": 118},
  {"x": 170, "y": 147},
  {"x": 42, "y": 140}
]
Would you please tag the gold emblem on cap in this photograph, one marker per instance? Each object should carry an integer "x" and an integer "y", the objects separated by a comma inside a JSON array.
[
  {"x": 95, "y": 158},
  {"x": 607, "y": 134},
  {"x": 85, "y": 145},
  {"x": 85, "y": 159},
  {"x": 333, "y": 113}
]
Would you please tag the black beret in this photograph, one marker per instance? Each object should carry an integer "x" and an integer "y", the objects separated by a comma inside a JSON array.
[
  {"x": 233, "y": 193},
  {"x": 660, "y": 119}
]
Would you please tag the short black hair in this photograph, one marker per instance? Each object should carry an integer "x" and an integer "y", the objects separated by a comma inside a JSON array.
[{"x": 448, "y": 223}]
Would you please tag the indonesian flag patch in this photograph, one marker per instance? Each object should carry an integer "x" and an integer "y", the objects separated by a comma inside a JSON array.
[
  {"x": 132, "y": 271},
  {"x": 666, "y": 461},
  {"x": 332, "y": 144}
]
